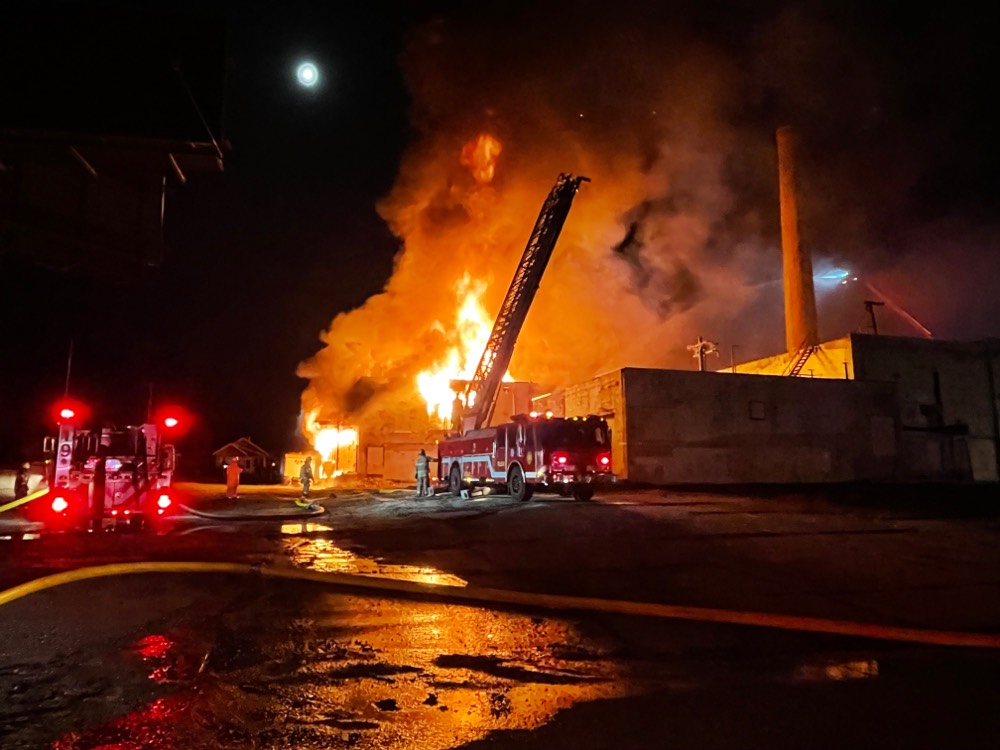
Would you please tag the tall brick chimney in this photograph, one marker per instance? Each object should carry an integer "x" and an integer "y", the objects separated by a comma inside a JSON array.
[{"x": 800, "y": 297}]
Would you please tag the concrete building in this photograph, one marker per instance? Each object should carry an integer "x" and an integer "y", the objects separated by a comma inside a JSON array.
[
  {"x": 680, "y": 427},
  {"x": 945, "y": 393},
  {"x": 875, "y": 408}
]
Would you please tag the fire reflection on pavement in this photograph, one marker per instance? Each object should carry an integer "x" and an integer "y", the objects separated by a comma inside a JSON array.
[
  {"x": 302, "y": 668},
  {"x": 325, "y": 556}
]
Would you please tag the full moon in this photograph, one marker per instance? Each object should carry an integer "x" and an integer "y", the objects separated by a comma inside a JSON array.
[{"x": 307, "y": 74}]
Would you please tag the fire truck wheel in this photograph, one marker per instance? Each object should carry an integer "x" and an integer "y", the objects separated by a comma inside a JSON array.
[
  {"x": 455, "y": 480},
  {"x": 516, "y": 485},
  {"x": 583, "y": 492}
]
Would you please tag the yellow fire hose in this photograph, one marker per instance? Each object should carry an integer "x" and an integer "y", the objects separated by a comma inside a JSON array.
[
  {"x": 521, "y": 599},
  {"x": 24, "y": 500}
]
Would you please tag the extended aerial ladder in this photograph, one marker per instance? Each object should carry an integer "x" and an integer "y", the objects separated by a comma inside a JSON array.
[{"x": 481, "y": 391}]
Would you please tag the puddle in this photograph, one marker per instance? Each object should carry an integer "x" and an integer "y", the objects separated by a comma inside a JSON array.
[
  {"x": 385, "y": 674},
  {"x": 152, "y": 727},
  {"x": 325, "y": 556},
  {"x": 836, "y": 670},
  {"x": 174, "y": 660},
  {"x": 302, "y": 671},
  {"x": 306, "y": 527}
]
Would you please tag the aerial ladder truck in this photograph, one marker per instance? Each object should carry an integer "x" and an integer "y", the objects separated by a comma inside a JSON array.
[{"x": 525, "y": 454}]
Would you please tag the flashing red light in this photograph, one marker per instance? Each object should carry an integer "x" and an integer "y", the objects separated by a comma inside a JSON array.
[
  {"x": 173, "y": 418},
  {"x": 159, "y": 511},
  {"x": 560, "y": 457},
  {"x": 604, "y": 459},
  {"x": 163, "y": 503},
  {"x": 126, "y": 512},
  {"x": 69, "y": 410},
  {"x": 114, "y": 512},
  {"x": 59, "y": 504}
]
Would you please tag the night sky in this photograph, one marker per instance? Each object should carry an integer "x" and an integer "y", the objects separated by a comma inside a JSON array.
[{"x": 261, "y": 257}]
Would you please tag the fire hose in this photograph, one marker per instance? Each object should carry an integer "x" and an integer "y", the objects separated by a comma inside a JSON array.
[
  {"x": 498, "y": 598},
  {"x": 24, "y": 500},
  {"x": 307, "y": 513},
  {"x": 319, "y": 510}
]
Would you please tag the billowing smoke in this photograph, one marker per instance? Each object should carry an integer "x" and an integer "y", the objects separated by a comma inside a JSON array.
[{"x": 675, "y": 237}]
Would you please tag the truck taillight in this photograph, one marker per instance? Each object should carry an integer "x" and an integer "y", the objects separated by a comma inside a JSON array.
[
  {"x": 560, "y": 457},
  {"x": 164, "y": 502},
  {"x": 59, "y": 504},
  {"x": 604, "y": 459}
]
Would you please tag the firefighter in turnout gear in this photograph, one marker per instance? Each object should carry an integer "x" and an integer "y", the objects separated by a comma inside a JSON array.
[
  {"x": 305, "y": 478},
  {"x": 21, "y": 481},
  {"x": 233, "y": 472},
  {"x": 423, "y": 474}
]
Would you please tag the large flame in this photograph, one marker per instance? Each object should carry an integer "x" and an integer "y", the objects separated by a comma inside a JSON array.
[
  {"x": 471, "y": 327},
  {"x": 325, "y": 440},
  {"x": 480, "y": 156},
  {"x": 656, "y": 235}
]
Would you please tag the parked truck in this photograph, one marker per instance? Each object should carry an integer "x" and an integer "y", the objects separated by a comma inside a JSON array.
[{"x": 110, "y": 477}]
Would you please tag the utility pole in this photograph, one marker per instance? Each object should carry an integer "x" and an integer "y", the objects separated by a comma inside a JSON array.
[
  {"x": 701, "y": 349},
  {"x": 732, "y": 356},
  {"x": 870, "y": 306},
  {"x": 69, "y": 367}
]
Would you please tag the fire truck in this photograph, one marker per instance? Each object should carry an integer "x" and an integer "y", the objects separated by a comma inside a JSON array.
[
  {"x": 569, "y": 455},
  {"x": 532, "y": 451},
  {"x": 107, "y": 478}
]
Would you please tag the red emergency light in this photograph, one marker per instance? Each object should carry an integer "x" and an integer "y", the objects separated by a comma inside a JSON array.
[
  {"x": 69, "y": 411},
  {"x": 173, "y": 419},
  {"x": 604, "y": 459},
  {"x": 560, "y": 457},
  {"x": 59, "y": 504},
  {"x": 163, "y": 502}
]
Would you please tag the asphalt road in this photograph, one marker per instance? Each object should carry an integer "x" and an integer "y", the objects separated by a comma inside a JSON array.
[{"x": 210, "y": 661}]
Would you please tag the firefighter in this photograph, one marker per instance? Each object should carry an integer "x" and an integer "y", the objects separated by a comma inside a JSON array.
[
  {"x": 21, "y": 481},
  {"x": 423, "y": 473},
  {"x": 233, "y": 471},
  {"x": 305, "y": 478}
]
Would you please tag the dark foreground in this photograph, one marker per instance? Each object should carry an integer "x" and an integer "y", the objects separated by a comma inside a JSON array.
[{"x": 208, "y": 661}]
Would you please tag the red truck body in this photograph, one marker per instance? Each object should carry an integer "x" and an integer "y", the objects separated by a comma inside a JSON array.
[{"x": 570, "y": 455}]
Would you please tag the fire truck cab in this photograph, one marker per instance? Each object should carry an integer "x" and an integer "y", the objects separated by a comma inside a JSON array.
[
  {"x": 109, "y": 477},
  {"x": 533, "y": 452}
]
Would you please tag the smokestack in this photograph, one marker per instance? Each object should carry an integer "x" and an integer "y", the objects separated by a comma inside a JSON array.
[{"x": 800, "y": 297}]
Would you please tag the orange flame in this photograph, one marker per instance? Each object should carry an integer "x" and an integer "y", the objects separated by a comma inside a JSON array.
[
  {"x": 325, "y": 439},
  {"x": 480, "y": 156},
  {"x": 471, "y": 327}
]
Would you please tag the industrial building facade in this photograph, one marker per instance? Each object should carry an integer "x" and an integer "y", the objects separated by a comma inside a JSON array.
[{"x": 908, "y": 409}]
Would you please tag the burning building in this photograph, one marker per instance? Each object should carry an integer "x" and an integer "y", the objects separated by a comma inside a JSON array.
[{"x": 676, "y": 235}]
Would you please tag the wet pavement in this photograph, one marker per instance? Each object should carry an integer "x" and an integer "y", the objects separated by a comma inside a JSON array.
[{"x": 209, "y": 661}]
